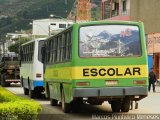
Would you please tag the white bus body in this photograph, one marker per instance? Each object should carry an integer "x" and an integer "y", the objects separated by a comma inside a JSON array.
[{"x": 31, "y": 70}]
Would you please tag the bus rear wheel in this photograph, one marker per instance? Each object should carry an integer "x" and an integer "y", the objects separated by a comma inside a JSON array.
[
  {"x": 125, "y": 104},
  {"x": 116, "y": 106},
  {"x": 66, "y": 107},
  {"x": 76, "y": 105},
  {"x": 54, "y": 102},
  {"x": 31, "y": 93}
]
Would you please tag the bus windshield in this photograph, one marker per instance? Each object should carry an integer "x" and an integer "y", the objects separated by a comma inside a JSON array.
[{"x": 109, "y": 41}]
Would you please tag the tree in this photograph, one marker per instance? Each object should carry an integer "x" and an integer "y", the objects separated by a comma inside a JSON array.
[{"x": 15, "y": 47}]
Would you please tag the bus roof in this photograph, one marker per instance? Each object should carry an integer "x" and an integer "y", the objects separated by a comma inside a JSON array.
[
  {"x": 33, "y": 41},
  {"x": 108, "y": 21},
  {"x": 98, "y": 22}
]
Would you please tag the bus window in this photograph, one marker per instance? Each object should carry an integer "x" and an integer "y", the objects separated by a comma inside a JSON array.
[
  {"x": 55, "y": 49},
  {"x": 69, "y": 44},
  {"x": 50, "y": 46},
  {"x": 109, "y": 41},
  {"x": 41, "y": 43}
]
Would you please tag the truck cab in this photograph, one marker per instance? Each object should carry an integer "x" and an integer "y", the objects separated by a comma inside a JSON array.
[{"x": 9, "y": 69}]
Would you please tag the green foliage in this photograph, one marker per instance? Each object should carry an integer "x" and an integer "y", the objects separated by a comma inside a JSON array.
[
  {"x": 95, "y": 13},
  {"x": 15, "y": 108},
  {"x": 13, "y": 26},
  {"x": 5, "y": 21},
  {"x": 6, "y": 96},
  {"x": 21, "y": 110},
  {"x": 22, "y": 12},
  {"x": 15, "y": 47},
  {"x": 3, "y": 1}
]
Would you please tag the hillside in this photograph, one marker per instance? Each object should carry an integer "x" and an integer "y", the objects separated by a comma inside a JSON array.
[{"x": 20, "y": 13}]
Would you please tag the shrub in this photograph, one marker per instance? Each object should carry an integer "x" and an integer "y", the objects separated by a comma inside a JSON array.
[
  {"x": 16, "y": 108},
  {"x": 6, "y": 96}
]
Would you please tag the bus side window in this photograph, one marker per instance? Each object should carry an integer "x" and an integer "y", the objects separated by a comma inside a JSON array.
[
  {"x": 43, "y": 53},
  {"x": 55, "y": 49},
  {"x": 52, "y": 51},
  {"x": 69, "y": 45},
  {"x": 63, "y": 47},
  {"x": 50, "y": 46},
  {"x": 59, "y": 49},
  {"x": 32, "y": 51}
]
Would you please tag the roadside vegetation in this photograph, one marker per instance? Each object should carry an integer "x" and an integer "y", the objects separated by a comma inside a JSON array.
[
  {"x": 13, "y": 107},
  {"x": 20, "y": 13}
]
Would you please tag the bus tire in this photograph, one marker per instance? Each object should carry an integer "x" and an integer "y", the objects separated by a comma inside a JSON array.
[
  {"x": 66, "y": 107},
  {"x": 54, "y": 102},
  {"x": 116, "y": 106},
  {"x": 38, "y": 92},
  {"x": 47, "y": 91},
  {"x": 31, "y": 93},
  {"x": 76, "y": 105},
  {"x": 125, "y": 104},
  {"x": 26, "y": 91}
]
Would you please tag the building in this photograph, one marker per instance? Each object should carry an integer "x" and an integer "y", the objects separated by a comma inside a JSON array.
[
  {"x": 47, "y": 27},
  {"x": 116, "y": 9},
  {"x": 139, "y": 10},
  {"x": 135, "y": 10}
]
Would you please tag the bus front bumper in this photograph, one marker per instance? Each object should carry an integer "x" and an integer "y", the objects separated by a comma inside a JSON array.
[{"x": 110, "y": 91}]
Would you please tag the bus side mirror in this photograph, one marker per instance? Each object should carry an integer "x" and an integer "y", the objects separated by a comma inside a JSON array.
[{"x": 43, "y": 54}]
